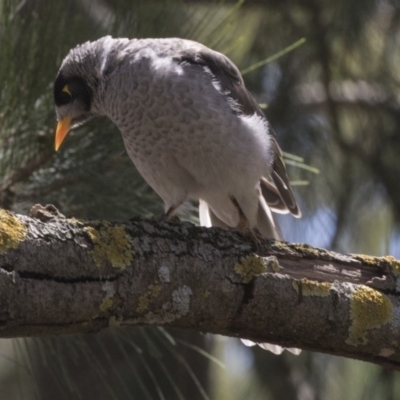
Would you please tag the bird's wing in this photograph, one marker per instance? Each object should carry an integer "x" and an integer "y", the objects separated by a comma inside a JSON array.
[
  {"x": 281, "y": 180},
  {"x": 278, "y": 195}
]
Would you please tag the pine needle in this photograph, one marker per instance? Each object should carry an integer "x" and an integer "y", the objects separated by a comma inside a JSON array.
[
  {"x": 274, "y": 57},
  {"x": 302, "y": 166}
]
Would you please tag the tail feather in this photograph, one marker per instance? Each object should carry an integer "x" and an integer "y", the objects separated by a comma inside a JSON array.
[
  {"x": 208, "y": 218},
  {"x": 273, "y": 348},
  {"x": 204, "y": 214},
  {"x": 266, "y": 223}
]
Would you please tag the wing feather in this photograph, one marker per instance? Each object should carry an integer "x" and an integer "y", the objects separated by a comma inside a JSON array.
[{"x": 277, "y": 193}]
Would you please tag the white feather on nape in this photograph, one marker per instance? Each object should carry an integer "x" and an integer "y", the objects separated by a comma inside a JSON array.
[
  {"x": 204, "y": 214},
  {"x": 166, "y": 65},
  {"x": 107, "y": 43},
  {"x": 110, "y": 53}
]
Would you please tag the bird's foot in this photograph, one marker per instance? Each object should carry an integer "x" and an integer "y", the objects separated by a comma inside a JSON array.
[
  {"x": 256, "y": 238},
  {"x": 170, "y": 216}
]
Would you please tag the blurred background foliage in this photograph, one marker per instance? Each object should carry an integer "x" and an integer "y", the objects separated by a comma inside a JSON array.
[{"x": 334, "y": 102}]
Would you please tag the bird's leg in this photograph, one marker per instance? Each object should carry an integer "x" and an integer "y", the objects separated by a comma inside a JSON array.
[
  {"x": 243, "y": 224},
  {"x": 244, "y": 227},
  {"x": 169, "y": 214}
]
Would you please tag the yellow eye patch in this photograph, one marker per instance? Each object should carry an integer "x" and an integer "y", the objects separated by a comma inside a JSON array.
[{"x": 65, "y": 89}]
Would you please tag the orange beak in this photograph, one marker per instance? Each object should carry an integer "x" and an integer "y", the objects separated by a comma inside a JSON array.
[{"x": 62, "y": 130}]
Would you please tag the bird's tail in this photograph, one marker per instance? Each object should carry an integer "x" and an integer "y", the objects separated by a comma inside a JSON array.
[{"x": 265, "y": 224}]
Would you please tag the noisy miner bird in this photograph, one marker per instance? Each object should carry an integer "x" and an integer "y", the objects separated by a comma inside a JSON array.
[{"x": 188, "y": 123}]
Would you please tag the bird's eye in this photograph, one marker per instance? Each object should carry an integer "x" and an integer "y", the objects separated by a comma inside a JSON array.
[
  {"x": 66, "y": 89},
  {"x": 71, "y": 89},
  {"x": 65, "y": 94}
]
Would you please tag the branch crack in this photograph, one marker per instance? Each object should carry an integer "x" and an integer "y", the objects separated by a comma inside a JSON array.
[{"x": 59, "y": 279}]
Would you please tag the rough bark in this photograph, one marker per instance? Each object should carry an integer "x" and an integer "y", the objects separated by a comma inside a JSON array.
[{"x": 63, "y": 276}]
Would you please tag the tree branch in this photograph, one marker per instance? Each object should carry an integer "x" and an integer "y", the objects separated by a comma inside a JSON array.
[{"x": 62, "y": 276}]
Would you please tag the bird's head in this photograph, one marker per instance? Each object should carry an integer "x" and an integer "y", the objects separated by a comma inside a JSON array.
[
  {"x": 73, "y": 98},
  {"x": 78, "y": 85}
]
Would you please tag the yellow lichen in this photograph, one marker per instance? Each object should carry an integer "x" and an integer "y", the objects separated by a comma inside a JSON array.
[
  {"x": 146, "y": 298},
  {"x": 12, "y": 231},
  {"x": 307, "y": 250},
  {"x": 366, "y": 259},
  {"x": 394, "y": 263},
  {"x": 272, "y": 264},
  {"x": 207, "y": 293},
  {"x": 106, "y": 304},
  {"x": 249, "y": 267},
  {"x": 297, "y": 248},
  {"x": 369, "y": 309},
  {"x": 312, "y": 288},
  {"x": 278, "y": 245},
  {"x": 75, "y": 221},
  {"x": 111, "y": 245}
]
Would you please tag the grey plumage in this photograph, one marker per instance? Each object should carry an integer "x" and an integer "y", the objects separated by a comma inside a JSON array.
[{"x": 188, "y": 123}]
